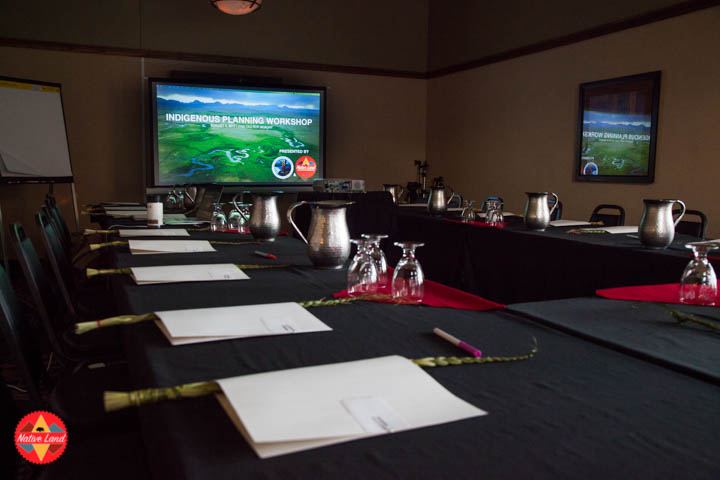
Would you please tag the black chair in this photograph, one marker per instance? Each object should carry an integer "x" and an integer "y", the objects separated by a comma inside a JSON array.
[
  {"x": 54, "y": 316},
  {"x": 58, "y": 222},
  {"x": 557, "y": 213},
  {"x": 695, "y": 229},
  {"x": 608, "y": 219},
  {"x": 484, "y": 205}
]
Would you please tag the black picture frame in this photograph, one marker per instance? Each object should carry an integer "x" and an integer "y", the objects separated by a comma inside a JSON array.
[{"x": 617, "y": 129}]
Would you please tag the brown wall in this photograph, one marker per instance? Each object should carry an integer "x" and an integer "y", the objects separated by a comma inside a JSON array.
[{"x": 510, "y": 127}]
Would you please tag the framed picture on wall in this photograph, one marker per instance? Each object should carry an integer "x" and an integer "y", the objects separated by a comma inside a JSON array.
[{"x": 617, "y": 129}]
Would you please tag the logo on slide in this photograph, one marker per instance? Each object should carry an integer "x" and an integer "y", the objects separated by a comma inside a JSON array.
[
  {"x": 306, "y": 166},
  {"x": 590, "y": 168},
  {"x": 41, "y": 437},
  {"x": 282, "y": 167}
]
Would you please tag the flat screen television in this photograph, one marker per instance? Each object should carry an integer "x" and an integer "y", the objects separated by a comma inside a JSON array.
[
  {"x": 228, "y": 134},
  {"x": 617, "y": 129}
]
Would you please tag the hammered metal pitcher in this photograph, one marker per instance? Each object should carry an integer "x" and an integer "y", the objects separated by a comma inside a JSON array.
[
  {"x": 537, "y": 212},
  {"x": 657, "y": 228},
  {"x": 264, "y": 218},
  {"x": 396, "y": 191},
  {"x": 438, "y": 201},
  {"x": 328, "y": 237}
]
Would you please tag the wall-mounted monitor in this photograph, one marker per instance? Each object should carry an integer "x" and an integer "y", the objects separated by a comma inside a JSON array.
[
  {"x": 237, "y": 134},
  {"x": 617, "y": 129}
]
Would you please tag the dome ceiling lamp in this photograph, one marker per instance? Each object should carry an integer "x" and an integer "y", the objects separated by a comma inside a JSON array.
[{"x": 236, "y": 7}]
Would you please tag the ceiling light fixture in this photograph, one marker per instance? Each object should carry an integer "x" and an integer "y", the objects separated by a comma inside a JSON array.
[{"x": 236, "y": 7}]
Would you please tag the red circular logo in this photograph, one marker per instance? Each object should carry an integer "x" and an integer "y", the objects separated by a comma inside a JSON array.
[
  {"x": 41, "y": 437},
  {"x": 306, "y": 166}
]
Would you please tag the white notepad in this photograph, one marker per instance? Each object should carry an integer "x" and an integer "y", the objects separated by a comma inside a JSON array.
[
  {"x": 568, "y": 223},
  {"x": 187, "y": 273},
  {"x": 209, "y": 324},
  {"x": 127, "y": 208},
  {"x": 161, "y": 232},
  {"x": 125, "y": 213},
  {"x": 620, "y": 229},
  {"x": 144, "y": 247},
  {"x": 294, "y": 410},
  {"x": 140, "y": 215}
]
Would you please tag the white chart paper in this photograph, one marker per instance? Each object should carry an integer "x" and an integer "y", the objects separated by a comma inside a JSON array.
[
  {"x": 568, "y": 223},
  {"x": 293, "y": 410},
  {"x": 208, "y": 324},
  {"x": 144, "y": 247},
  {"x": 161, "y": 232},
  {"x": 187, "y": 273}
]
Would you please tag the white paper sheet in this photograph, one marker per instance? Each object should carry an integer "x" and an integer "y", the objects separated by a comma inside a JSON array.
[
  {"x": 127, "y": 208},
  {"x": 293, "y": 410},
  {"x": 483, "y": 214},
  {"x": 161, "y": 232},
  {"x": 183, "y": 221},
  {"x": 621, "y": 229},
  {"x": 209, "y": 324},
  {"x": 145, "y": 247},
  {"x": 187, "y": 273},
  {"x": 568, "y": 223},
  {"x": 142, "y": 215},
  {"x": 126, "y": 213}
]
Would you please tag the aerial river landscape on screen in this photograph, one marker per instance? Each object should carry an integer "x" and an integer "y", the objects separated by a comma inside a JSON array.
[{"x": 231, "y": 135}]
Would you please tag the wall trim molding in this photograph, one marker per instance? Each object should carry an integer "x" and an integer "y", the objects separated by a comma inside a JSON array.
[{"x": 653, "y": 16}]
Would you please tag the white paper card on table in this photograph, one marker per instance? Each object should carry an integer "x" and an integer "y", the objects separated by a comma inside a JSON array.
[
  {"x": 125, "y": 213},
  {"x": 128, "y": 208},
  {"x": 619, "y": 229},
  {"x": 293, "y": 410},
  {"x": 159, "y": 232},
  {"x": 208, "y": 324},
  {"x": 374, "y": 414},
  {"x": 144, "y": 247},
  {"x": 568, "y": 223},
  {"x": 187, "y": 273}
]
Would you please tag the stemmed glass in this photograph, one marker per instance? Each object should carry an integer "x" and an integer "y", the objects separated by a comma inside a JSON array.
[
  {"x": 494, "y": 213},
  {"x": 171, "y": 200},
  {"x": 362, "y": 276},
  {"x": 698, "y": 284},
  {"x": 408, "y": 279},
  {"x": 468, "y": 214},
  {"x": 378, "y": 256},
  {"x": 218, "y": 221},
  {"x": 236, "y": 221}
]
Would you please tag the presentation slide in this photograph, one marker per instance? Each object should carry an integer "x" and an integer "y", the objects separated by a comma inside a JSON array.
[
  {"x": 232, "y": 135},
  {"x": 615, "y": 143},
  {"x": 33, "y": 140}
]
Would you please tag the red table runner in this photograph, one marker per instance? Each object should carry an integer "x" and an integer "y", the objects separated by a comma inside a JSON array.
[{"x": 663, "y": 293}]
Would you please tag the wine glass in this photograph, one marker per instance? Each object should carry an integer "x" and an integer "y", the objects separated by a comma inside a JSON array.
[
  {"x": 494, "y": 213},
  {"x": 378, "y": 256},
  {"x": 362, "y": 276},
  {"x": 408, "y": 279},
  {"x": 698, "y": 284},
  {"x": 236, "y": 220},
  {"x": 468, "y": 214},
  {"x": 218, "y": 221},
  {"x": 179, "y": 198},
  {"x": 171, "y": 201}
]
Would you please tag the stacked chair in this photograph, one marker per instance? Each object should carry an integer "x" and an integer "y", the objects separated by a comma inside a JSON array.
[
  {"x": 608, "y": 219},
  {"x": 557, "y": 213}
]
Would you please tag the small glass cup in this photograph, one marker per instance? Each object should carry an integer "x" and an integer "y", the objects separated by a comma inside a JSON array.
[
  {"x": 494, "y": 213},
  {"x": 468, "y": 214},
  {"x": 218, "y": 221},
  {"x": 378, "y": 256},
  {"x": 698, "y": 285},
  {"x": 362, "y": 276},
  {"x": 408, "y": 279}
]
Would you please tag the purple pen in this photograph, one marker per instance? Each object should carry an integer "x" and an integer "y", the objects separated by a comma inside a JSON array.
[{"x": 456, "y": 341}]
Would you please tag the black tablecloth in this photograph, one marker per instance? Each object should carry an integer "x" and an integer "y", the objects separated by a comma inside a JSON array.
[
  {"x": 575, "y": 410},
  {"x": 516, "y": 265},
  {"x": 646, "y": 330}
]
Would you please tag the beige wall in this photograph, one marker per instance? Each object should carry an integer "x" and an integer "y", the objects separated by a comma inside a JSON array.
[
  {"x": 464, "y": 30},
  {"x": 375, "y": 125},
  {"x": 510, "y": 127},
  {"x": 390, "y": 35}
]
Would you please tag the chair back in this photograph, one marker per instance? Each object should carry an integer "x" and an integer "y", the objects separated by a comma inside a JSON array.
[
  {"x": 696, "y": 229},
  {"x": 50, "y": 306},
  {"x": 608, "y": 219},
  {"x": 57, "y": 256},
  {"x": 557, "y": 213},
  {"x": 58, "y": 221},
  {"x": 20, "y": 339},
  {"x": 484, "y": 204}
]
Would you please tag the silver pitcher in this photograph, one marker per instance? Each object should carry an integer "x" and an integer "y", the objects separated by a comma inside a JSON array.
[
  {"x": 190, "y": 198},
  {"x": 657, "y": 228},
  {"x": 439, "y": 200},
  {"x": 537, "y": 212},
  {"x": 264, "y": 216},
  {"x": 328, "y": 237},
  {"x": 395, "y": 191}
]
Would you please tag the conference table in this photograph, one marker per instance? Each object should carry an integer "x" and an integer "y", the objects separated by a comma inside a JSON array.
[{"x": 588, "y": 405}]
